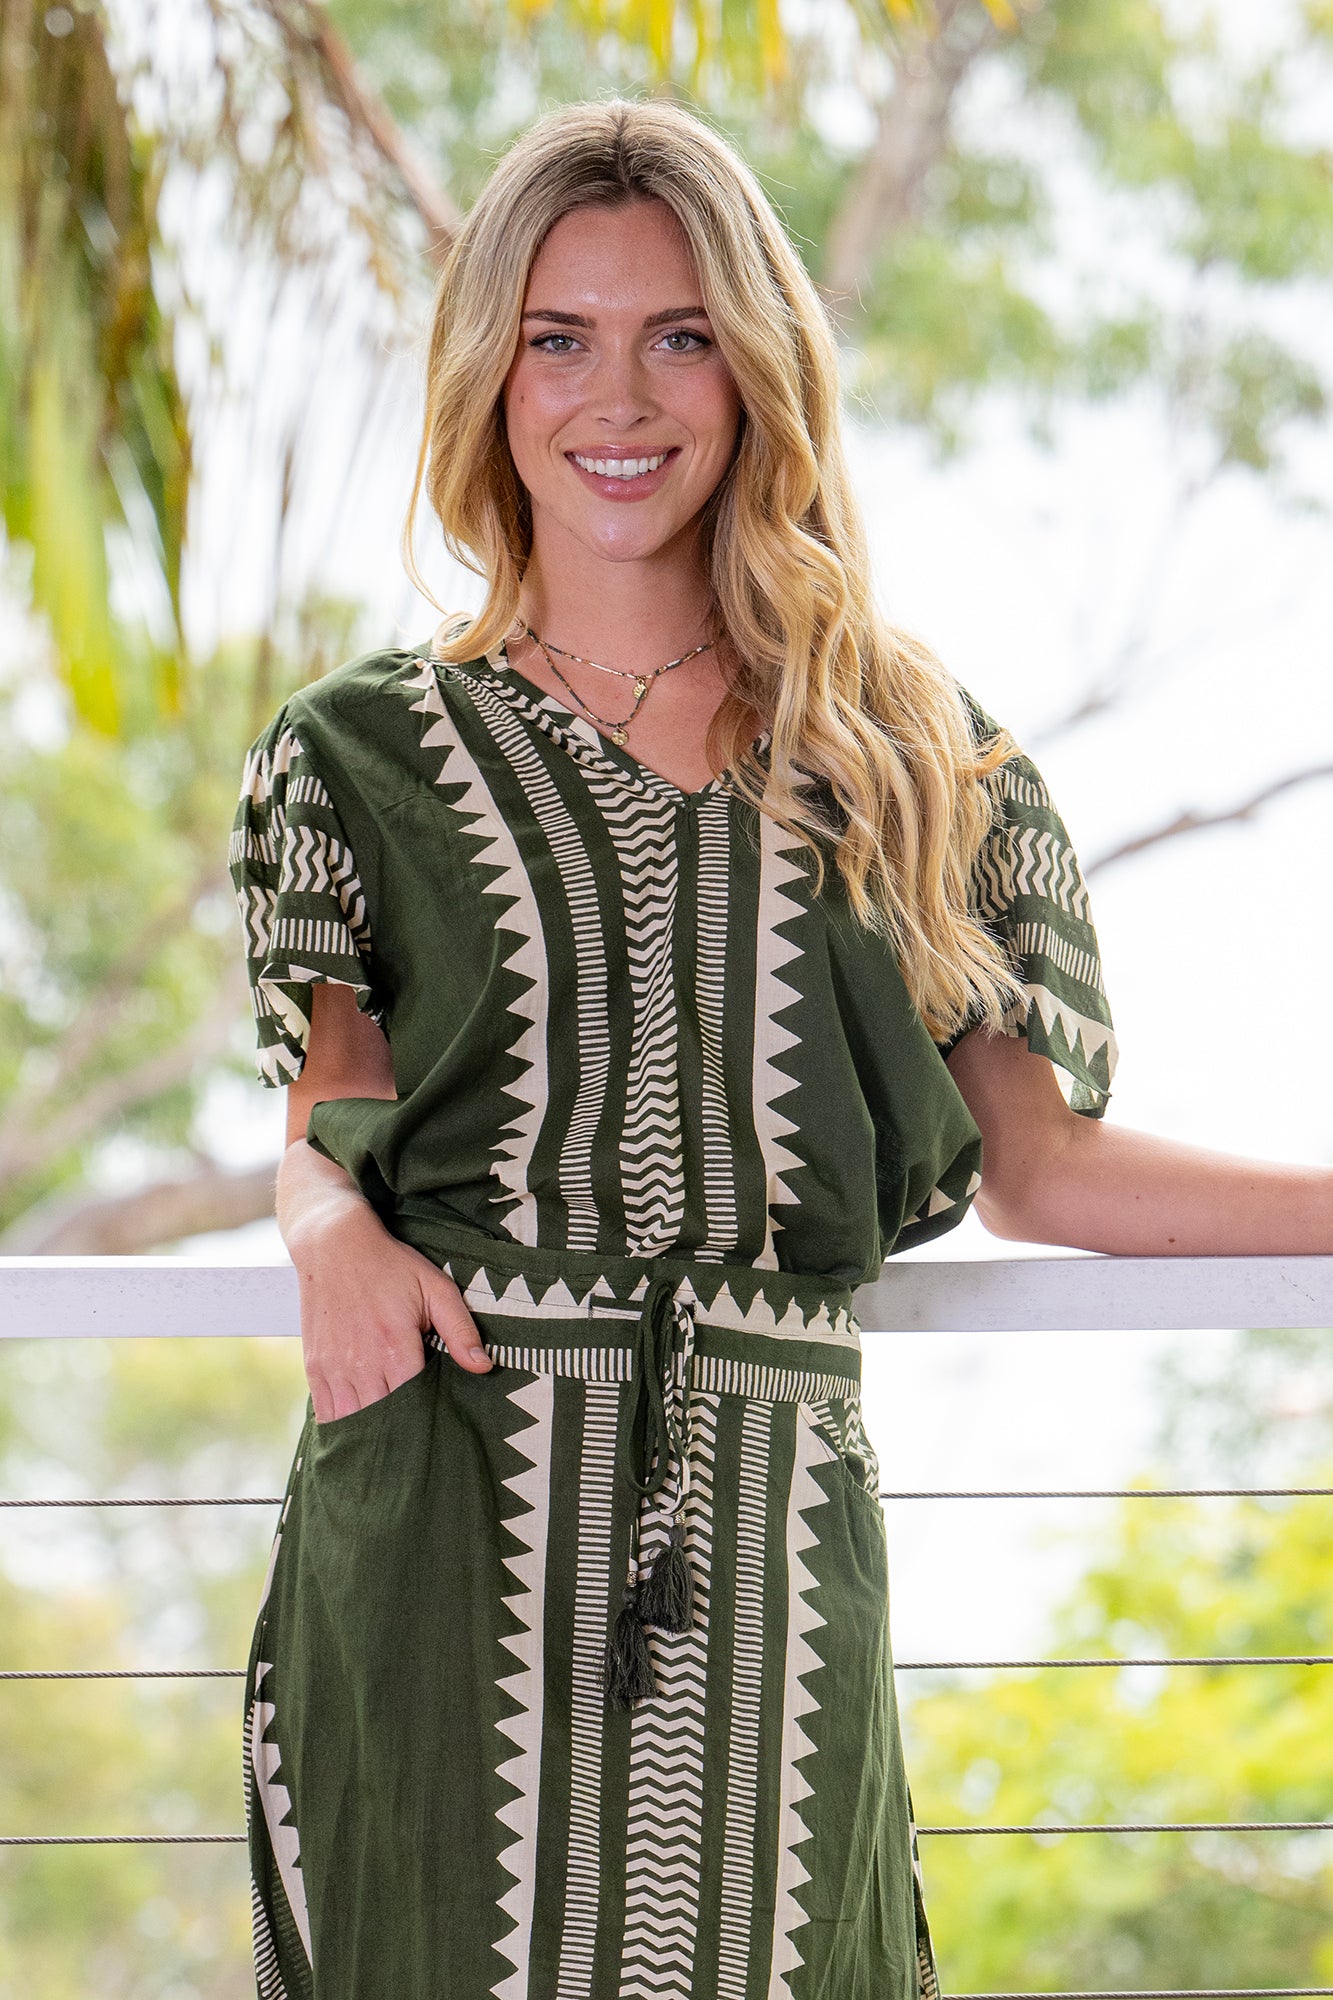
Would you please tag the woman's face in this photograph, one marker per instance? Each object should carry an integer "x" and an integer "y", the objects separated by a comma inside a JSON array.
[{"x": 616, "y": 364}]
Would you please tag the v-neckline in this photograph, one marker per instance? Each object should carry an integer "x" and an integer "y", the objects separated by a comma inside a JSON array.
[{"x": 580, "y": 737}]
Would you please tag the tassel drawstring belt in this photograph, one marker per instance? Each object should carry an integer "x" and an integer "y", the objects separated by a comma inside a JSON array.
[
  {"x": 539, "y": 1309},
  {"x": 664, "y": 1598}
]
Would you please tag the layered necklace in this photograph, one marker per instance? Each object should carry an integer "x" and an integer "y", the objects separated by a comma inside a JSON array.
[{"x": 642, "y": 681}]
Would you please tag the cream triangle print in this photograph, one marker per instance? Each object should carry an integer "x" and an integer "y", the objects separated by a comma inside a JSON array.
[
  {"x": 521, "y": 920},
  {"x": 798, "y": 1702},
  {"x": 276, "y": 1804},
  {"x": 778, "y": 872},
  {"x": 587, "y": 1720},
  {"x": 632, "y": 1044},
  {"x": 526, "y": 1683},
  {"x": 737, "y": 1903},
  {"x": 1085, "y": 1038},
  {"x": 592, "y": 1044}
]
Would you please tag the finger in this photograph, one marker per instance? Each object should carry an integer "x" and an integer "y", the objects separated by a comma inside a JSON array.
[
  {"x": 347, "y": 1396},
  {"x": 455, "y": 1324},
  {"x": 401, "y": 1367},
  {"x": 321, "y": 1395}
]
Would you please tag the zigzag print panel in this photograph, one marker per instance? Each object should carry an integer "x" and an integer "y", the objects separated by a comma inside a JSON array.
[
  {"x": 1044, "y": 866},
  {"x": 312, "y": 862},
  {"x": 665, "y": 1817},
  {"x": 642, "y": 826}
]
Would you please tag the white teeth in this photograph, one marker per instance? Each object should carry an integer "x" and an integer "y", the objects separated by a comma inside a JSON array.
[{"x": 620, "y": 468}]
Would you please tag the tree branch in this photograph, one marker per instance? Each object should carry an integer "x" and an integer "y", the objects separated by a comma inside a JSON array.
[
  {"x": 912, "y": 135},
  {"x": 134, "y": 1224},
  {"x": 1130, "y": 654},
  {"x": 28, "y": 1151},
  {"x": 95, "y": 1020},
  {"x": 308, "y": 27},
  {"x": 1195, "y": 822}
]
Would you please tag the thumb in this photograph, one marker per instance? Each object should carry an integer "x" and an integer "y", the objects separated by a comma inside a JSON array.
[{"x": 454, "y": 1323}]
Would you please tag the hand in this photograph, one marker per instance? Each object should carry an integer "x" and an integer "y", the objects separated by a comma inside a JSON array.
[{"x": 366, "y": 1300}]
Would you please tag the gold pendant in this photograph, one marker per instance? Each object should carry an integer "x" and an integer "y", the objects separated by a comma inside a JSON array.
[
  {"x": 618, "y": 734},
  {"x": 640, "y": 689}
]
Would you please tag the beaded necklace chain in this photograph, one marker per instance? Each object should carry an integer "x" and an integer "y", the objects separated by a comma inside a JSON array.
[{"x": 642, "y": 681}]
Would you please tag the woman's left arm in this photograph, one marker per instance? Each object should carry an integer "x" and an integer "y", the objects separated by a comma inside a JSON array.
[{"x": 1051, "y": 1175}]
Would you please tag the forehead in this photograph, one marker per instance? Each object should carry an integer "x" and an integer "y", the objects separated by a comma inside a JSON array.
[{"x": 623, "y": 257}]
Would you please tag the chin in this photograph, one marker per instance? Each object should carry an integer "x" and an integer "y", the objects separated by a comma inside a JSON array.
[{"x": 626, "y": 548}]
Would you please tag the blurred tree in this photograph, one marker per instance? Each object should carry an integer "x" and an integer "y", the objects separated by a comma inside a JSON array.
[
  {"x": 121, "y": 989},
  {"x": 132, "y": 1587},
  {"x": 1189, "y": 1743},
  {"x": 1058, "y": 200}
]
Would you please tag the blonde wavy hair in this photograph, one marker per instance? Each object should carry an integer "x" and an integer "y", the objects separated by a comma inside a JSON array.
[{"x": 872, "y": 754}]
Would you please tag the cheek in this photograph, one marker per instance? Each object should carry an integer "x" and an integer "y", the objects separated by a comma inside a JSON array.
[
  {"x": 533, "y": 411},
  {"x": 719, "y": 409}
]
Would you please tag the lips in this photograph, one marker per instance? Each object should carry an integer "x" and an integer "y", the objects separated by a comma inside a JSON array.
[{"x": 617, "y": 486}]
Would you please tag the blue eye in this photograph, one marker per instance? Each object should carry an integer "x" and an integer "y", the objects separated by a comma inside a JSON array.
[
  {"x": 684, "y": 333},
  {"x": 542, "y": 339}
]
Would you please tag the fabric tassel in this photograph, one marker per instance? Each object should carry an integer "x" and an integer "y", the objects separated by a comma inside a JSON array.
[
  {"x": 666, "y": 1595},
  {"x": 627, "y": 1673}
]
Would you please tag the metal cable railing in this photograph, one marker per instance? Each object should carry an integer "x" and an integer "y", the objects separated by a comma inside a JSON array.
[
  {"x": 1045, "y": 1828},
  {"x": 900, "y": 1666},
  {"x": 153, "y": 1297},
  {"x": 914, "y": 1493}
]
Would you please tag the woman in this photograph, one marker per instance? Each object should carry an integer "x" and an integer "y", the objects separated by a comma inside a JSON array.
[{"x": 646, "y": 958}]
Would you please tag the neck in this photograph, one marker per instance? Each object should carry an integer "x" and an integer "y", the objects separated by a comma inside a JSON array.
[{"x": 633, "y": 614}]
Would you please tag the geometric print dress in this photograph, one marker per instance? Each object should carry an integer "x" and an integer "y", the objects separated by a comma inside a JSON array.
[{"x": 572, "y": 1680}]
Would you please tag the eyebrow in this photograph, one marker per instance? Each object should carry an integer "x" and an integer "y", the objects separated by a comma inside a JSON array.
[{"x": 653, "y": 319}]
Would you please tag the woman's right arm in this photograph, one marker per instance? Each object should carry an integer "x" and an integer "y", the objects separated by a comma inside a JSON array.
[{"x": 366, "y": 1297}]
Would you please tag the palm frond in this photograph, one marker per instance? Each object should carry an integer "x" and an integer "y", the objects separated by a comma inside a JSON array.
[{"x": 746, "y": 42}]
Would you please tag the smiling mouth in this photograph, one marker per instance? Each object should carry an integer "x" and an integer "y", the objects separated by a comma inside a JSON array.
[{"x": 606, "y": 467}]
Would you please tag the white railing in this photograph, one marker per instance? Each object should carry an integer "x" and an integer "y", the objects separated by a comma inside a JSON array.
[{"x": 46, "y": 1298}]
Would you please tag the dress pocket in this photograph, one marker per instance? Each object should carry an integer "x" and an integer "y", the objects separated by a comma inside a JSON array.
[
  {"x": 836, "y": 1422},
  {"x": 367, "y": 1417}
]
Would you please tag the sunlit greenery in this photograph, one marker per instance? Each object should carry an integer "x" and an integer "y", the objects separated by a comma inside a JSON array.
[
  {"x": 1195, "y": 1743},
  {"x": 132, "y": 1587}
]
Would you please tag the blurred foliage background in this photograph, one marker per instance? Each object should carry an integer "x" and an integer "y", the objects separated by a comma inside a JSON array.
[{"x": 1152, "y": 217}]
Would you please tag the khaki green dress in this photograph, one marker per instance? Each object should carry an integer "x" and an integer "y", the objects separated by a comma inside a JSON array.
[{"x": 572, "y": 1680}]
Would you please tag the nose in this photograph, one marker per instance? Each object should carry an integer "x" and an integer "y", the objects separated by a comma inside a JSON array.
[{"x": 621, "y": 392}]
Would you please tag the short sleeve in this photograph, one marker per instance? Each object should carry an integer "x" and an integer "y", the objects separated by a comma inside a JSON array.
[
  {"x": 302, "y": 905},
  {"x": 1028, "y": 890}
]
